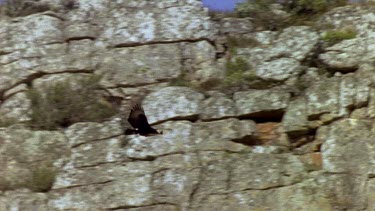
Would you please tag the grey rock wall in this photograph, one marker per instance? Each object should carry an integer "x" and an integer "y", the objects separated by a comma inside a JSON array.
[{"x": 303, "y": 140}]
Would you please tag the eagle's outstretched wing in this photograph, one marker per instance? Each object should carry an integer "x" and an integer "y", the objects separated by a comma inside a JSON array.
[{"x": 137, "y": 118}]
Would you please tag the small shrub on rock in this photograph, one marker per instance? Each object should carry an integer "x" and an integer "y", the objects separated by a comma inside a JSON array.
[
  {"x": 64, "y": 103},
  {"x": 308, "y": 7},
  {"x": 180, "y": 80},
  {"x": 262, "y": 14},
  {"x": 17, "y": 8},
  {"x": 241, "y": 41},
  {"x": 274, "y": 14},
  {"x": 335, "y": 36},
  {"x": 238, "y": 72},
  {"x": 42, "y": 179}
]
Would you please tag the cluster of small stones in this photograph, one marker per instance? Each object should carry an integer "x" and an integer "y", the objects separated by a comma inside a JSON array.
[{"x": 304, "y": 143}]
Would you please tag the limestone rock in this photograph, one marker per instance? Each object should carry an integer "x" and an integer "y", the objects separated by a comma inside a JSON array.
[
  {"x": 22, "y": 150},
  {"x": 225, "y": 161},
  {"x": 278, "y": 70},
  {"x": 218, "y": 106},
  {"x": 335, "y": 96},
  {"x": 15, "y": 109},
  {"x": 371, "y": 194},
  {"x": 295, "y": 119},
  {"x": 358, "y": 17},
  {"x": 183, "y": 103},
  {"x": 85, "y": 132},
  {"x": 227, "y": 134},
  {"x": 294, "y": 197},
  {"x": 140, "y": 65},
  {"x": 184, "y": 137},
  {"x": 263, "y": 103},
  {"x": 24, "y": 200},
  {"x": 275, "y": 171},
  {"x": 35, "y": 29},
  {"x": 342, "y": 151},
  {"x": 236, "y": 26},
  {"x": 297, "y": 42},
  {"x": 43, "y": 83},
  {"x": 173, "y": 186},
  {"x": 80, "y": 31},
  {"x": 165, "y": 21},
  {"x": 265, "y": 37},
  {"x": 271, "y": 133},
  {"x": 200, "y": 59},
  {"x": 98, "y": 152},
  {"x": 172, "y": 141},
  {"x": 349, "y": 54},
  {"x": 130, "y": 188}
]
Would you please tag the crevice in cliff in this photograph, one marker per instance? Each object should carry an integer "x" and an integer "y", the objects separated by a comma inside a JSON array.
[
  {"x": 302, "y": 138},
  {"x": 146, "y": 158},
  {"x": 80, "y": 38},
  {"x": 137, "y": 44},
  {"x": 192, "y": 118},
  {"x": 269, "y": 188},
  {"x": 249, "y": 140},
  {"x": 218, "y": 119},
  {"x": 154, "y": 157},
  {"x": 96, "y": 165},
  {"x": 197, "y": 185},
  {"x": 261, "y": 117},
  {"x": 264, "y": 116},
  {"x": 30, "y": 78},
  {"x": 95, "y": 140},
  {"x": 137, "y": 85},
  {"x": 83, "y": 185}
]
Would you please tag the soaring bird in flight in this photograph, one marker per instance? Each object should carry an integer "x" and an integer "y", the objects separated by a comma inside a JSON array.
[{"x": 138, "y": 120}]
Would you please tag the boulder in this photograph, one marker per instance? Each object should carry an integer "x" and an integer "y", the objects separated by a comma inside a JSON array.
[
  {"x": 261, "y": 103},
  {"x": 140, "y": 65},
  {"x": 279, "y": 69},
  {"x": 343, "y": 150},
  {"x": 218, "y": 106},
  {"x": 183, "y": 103},
  {"x": 23, "y": 150},
  {"x": 347, "y": 55}
]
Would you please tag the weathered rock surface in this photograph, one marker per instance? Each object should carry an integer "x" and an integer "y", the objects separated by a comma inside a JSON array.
[
  {"x": 218, "y": 106},
  {"x": 24, "y": 200},
  {"x": 329, "y": 99},
  {"x": 183, "y": 103},
  {"x": 279, "y": 58},
  {"x": 278, "y": 70},
  {"x": 160, "y": 22},
  {"x": 261, "y": 103},
  {"x": 15, "y": 108},
  {"x": 22, "y": 150},
  {"x": 360, "y": 18},
  {"x": 140, "y": 65},
  {"x": 261, "y": 149},
  {"x": 342, "y": 151},
  {"x": 236, "y": 26},
  {"x": 349, "y": 54}
]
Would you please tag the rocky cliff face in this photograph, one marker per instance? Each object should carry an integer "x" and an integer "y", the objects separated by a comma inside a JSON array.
[{"x": 297, "y": 136}]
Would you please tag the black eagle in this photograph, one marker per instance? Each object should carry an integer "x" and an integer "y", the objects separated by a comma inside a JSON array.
[{"x": 138, "y": 120}]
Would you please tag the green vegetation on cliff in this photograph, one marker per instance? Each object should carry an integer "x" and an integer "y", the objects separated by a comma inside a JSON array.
[{"x": 64, "y": 103}]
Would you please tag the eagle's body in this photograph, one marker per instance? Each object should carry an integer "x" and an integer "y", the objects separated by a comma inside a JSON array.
[{"x": 138, "y": 120}]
